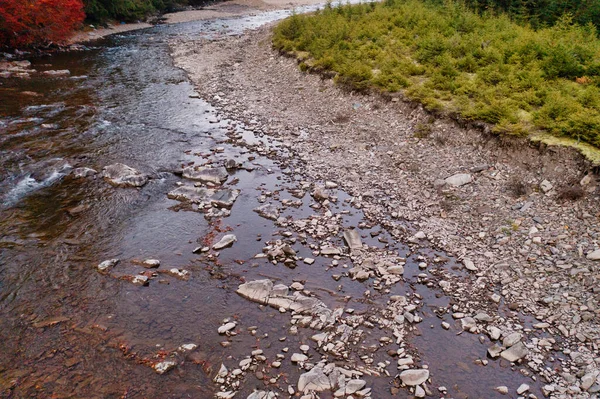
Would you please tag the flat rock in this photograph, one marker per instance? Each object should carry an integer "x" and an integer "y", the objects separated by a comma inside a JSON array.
[
  {"x": 594, "y": 255},
  {"x": 299, "y": 358},
  {"x": 60, "y": 72},
  {"x": 257, "y": 291},
  {"x": 414, "y": 377},
  {"x": 262, "y": 395},
  {"x": 268, "y": 211},
  {"x": 459, "y": 179},
  {"x": 353, "y": 386},
  {"x": 314, "y": 380},
  {"x": 225, "y": 242},
  {"x": 224, "y": 198},
  {"x": 511, "y": 339},
  {"x": 263, "y": 291},
  {"x": 121, "y": 175},
  {"x": 469, "y": 265},
  {"x": 515, "y": 352},
  {"x": 352, "y": 239},
  {"x": 207, "y": 174},
  {"x": 196, "y": 195}
]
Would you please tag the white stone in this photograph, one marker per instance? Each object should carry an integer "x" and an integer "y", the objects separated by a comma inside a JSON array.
[
  {"x": 226, "y": 327},
  {"x": 459, "y": 179},
  {"x": 522, "y": 389},
  {"x": 225, "y": 242},
  {"x": 414, "y": 377},
  {"x": 469, "y": 265},
  {"x": 594, "y": 255},
  {"x": 299, "y": 358}
]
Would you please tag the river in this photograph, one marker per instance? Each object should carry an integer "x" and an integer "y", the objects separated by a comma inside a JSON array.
[{"x": 68, "y": 331}]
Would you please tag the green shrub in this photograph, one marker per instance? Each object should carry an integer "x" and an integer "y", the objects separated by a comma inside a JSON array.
[{"x": 484, "y": 67}]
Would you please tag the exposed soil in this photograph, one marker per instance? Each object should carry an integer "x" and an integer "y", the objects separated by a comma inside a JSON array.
[{"x": 524, "y": 219}]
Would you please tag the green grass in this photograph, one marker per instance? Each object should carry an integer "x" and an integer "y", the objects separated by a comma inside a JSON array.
[{"x": 455, "y": 61}]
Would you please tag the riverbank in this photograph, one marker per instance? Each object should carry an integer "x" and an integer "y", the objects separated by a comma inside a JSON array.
[
  {"x": 225, "y": 9},
  {"x": 522, "y": 219}
]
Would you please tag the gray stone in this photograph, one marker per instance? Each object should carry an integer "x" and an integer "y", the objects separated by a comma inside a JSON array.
[
  {"x": 468, "y": 324},
  {"x": 257, "y": 291},
  {"x": 268, "y": 211},
  {"x": 196, "y": 195},
  {"x": 121, "y": 175},
  {"x": 353, "y": 386},
  {"x": 224, "y": 198},
  {"x": 414, "y": 377},
  {"x": 495, "y": 350},
  {"x": 299, "y": 358},
  {"x": 594, "y": 255},
  {"x": 515, "y": 352},
  {"x": 469, "y": 265},
  {"x": 262, "y": 395},
  {"x": 511, "y": 339},
  {"x": 314, "y": 380},
  {"x": 502, "y": 389},
  {"x": 352, "y": 239},
  {"x": 459, "y": 179},
  {"x": 207, "y": 174},
  {"x": 522, "y": 389},
  {"x": 546, "y": 186}
]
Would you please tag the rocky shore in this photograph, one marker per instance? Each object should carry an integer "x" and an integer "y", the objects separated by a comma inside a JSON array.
[{"x": 520, "y": 221}]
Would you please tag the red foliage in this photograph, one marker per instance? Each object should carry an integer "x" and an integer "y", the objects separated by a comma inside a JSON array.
[{"x": 35, "y": 22}]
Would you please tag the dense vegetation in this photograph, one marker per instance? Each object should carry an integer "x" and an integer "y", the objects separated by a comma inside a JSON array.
[
  {"x": 34, "y": 22},
  {"x": 126, "y": 10},
  {"x": 543, "y": 12},
  {"x": 481, "y": 67}
]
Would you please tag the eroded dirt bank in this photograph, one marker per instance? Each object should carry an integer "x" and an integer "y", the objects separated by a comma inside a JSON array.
[{"x": 522, "y": 221}]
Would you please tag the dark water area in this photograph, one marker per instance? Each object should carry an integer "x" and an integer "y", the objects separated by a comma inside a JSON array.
[{"x": 67, "y": 330}]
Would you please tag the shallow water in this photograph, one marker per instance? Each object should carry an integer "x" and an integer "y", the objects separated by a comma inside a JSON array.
[{"x": 68, "y": 331}]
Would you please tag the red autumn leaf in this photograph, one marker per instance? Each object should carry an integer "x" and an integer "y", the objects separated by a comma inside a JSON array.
[{"x": 36, "y": 22}]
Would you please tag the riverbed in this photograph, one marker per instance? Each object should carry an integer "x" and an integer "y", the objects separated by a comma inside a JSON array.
[{"x": 69, "y": 330}]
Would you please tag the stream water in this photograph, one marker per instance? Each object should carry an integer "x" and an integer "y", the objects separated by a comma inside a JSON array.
[{"x": 68, "y": 331}]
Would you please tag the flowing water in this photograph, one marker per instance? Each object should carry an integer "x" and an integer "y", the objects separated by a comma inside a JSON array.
[{"x": 68, "y": 331}]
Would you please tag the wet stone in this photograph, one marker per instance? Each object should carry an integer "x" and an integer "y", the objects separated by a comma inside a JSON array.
[
  {"x": 107, "y": 264},
  {"x": 151, "y": 263},
  {"x": 196, "y": 195},
  {"x": 224, "y": 198},
  {"x": 414, "y": 377},
  {"x": 314, "y": 380},
  {"x": 216, "y": 175},
  {"x": 268, "y": 211},
  {"x": 514, "y": 353},
  {"x": 121, "y": 175},
  {"x": 165, "y": 366},
  {"x": 225, "y": 242},
  {"x": 352, "y": 239},
  {"x": 83, "y": 172}
]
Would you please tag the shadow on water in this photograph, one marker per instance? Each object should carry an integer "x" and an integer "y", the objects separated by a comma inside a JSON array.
[{"x": 67, "y": 330}]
